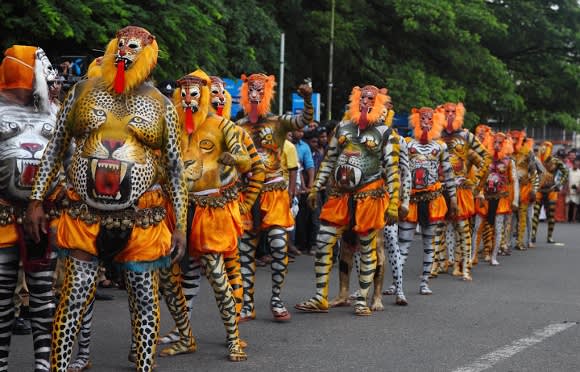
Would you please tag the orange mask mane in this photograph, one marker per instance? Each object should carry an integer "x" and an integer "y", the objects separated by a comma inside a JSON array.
[
  {"x": 436, "y": 127},
  {"x": 144, "y": 59},
  {"x": 262, "y": 107},
  {"x": 506, "y": 148},
  {"x": 457, "y": 122},
  {"x": 377, "y": 112},
  {"x": 518, "y": 137}
]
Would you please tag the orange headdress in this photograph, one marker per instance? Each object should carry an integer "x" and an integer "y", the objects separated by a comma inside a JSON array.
[
  {"x": 518, "y": 137},
  {"x": 129, "y": 59},
  {"x": 427, "y": 123},
  {"x": 367, "y": 105},
  {"x": 546, "y": 150},
  {"x": 482, "y": 131},
  {"x": 257, "y": 102},
  {"x": 192, "y": 111},
  {"x": 505, "y": 148},
  {"x": 17, "y": 68},
  {"x": 454, "y": 116}
]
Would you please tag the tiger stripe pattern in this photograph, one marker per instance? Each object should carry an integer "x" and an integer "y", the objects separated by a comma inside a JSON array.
[
  {"x": 172, "y": 291},
  {"x": 247, "y": 248},
  {"x": 218, "y": 279},
  {"x": 41, "y": 307}
]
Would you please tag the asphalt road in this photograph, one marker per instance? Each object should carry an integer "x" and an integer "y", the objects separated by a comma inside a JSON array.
[{"x": 519, "y": 316}]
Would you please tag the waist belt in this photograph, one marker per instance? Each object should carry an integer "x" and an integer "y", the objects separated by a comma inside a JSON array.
[
  {"x": 497, "y": 195},
  {"x": 425, "y": 196},
  {"x": 216, "y": 198},
  {"x": 277, "y": 185}
]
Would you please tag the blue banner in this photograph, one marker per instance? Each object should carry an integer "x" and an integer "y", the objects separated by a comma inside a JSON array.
[
  {"x": 234, "y": 87},
  {"x": 298, "y": 104}
]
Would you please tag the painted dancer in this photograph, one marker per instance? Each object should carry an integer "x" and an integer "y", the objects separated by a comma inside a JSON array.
[
  {"x": 551, "y": 182},
  {"x": 362, "y": 197},
  {"x": 125, "y": 131},
  {"x": 427, "y": 206},
  {"x": 28, "y": 105},
  {"x": 271, "y": 213}
]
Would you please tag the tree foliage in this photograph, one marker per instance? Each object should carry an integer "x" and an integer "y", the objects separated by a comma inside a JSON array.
[{"x": 513, "y": 62}]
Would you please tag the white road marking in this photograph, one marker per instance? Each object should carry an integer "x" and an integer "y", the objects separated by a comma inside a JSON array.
[{"x": 496, "y": 356}]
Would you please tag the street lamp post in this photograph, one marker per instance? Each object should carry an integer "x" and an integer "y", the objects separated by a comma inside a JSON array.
[{"x": 330, "y": 63}]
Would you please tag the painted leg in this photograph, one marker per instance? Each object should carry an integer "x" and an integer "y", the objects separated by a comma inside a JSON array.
[
  {"x": 41, "y": 312},
  {"x": 536, "y": 219},
  {"x": 522, "y": 225},
  {"x": 464, "y": 232},
  {"x": 247, "y": 249},
  {"x": 551, "y": 221},
  {"x": 440, "y": 263},
  {"x": 487, "y": 241},
  {"x": 530, "y": 218},
  {"x": 379, "y": 277},
  {"x": 455, "y": 240},
  {"x": 172, "y": 291},
  {"x": 429, "y": 232},
  {"x": 82, "y": 360},
  {"x": 395, "y": 256},
  {"x": 8, "y": 279},
  {"x": 498, "y": 232},
  {"x": 325, "y": 241},
  {"x": 190, "y": 282},
  {"x": 215, "y": 272},
  {"x": 368, "y": 265},
  {"x": 278, "y": 242},
  {"x": 76, "y": 294},
  {"x": 345, "y": 266},
  {"x": 233, "y": 271},
  {"x": 143, "y": 289}
]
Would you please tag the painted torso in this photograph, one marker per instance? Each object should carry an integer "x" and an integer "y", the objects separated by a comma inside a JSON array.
[
  {"x": 268, "y": 135},
  {"x": 24, "y": 135},
  {"x": 553, "y": 175},
  {"x": 525, "y": 165},
  {"x": 498, "y": 177},
  {"x": 114, "y": 162},
  {"x": 458, "y": 148},
  {"x": 201, "y": 151},
  {"x": 424, "y": 162}
]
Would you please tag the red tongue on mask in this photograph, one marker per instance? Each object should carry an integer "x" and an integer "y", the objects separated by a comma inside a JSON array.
[
  {"x": 363, "y": 121},
  {"x": 425, "y": 136},
  {"x": 120, "y": 77},
  {"x": 219, "y": 110},
  {"x": 450, "y": 125},
  {"x": 253, "y": 113},
  {"x": 189, "y": 125}
]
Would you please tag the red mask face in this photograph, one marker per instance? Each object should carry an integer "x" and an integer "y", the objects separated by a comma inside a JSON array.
[
  {"x": 256, "y": 90},
  {"x": 367, "y": 98},
  {"x": 218, "y": 94},
  {"x": 450, "y": 114}
]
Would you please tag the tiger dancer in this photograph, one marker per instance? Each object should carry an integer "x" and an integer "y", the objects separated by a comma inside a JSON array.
[
  {"x": 271, "y": 212},
  {"x": 551, "y": 181},
  {"x": 459, "y": 143},
  {"x": 125, "y": 131},
  {"x": 427, "y": 204},
  {"x": 27, "y": 120},
  {"x": 362, "y": 164}
]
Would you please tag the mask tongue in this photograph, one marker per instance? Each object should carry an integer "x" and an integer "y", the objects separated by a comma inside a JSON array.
[
  {"x": 425, "y": 136},
  {"x": 363, "y": 121},
  {"x": 253, "y": 113},
  {"x": 449, "y": 125},
  {"x": 189, "y": 126},
  {"x": 220, "y": 110},
  {"x": 120, "y": 77}
]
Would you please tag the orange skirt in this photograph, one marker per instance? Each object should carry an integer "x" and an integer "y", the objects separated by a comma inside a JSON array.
[
  {"x": 465, "y": 204},
  {"x": 144, "y": 245},
  {"x": 8, "y": 236},
  {"x": 275, "y": 209},
  {"x": 369, "y": 213},
  {"x": 525, "y": 191},
  {"x": 215, "y": 230},
  {"x": 437, "y": 206},
  {"x": 552, "y": 196},
  {"x": 504, "y": 206}
]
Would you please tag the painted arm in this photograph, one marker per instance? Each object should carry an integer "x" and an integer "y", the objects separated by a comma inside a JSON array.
[
  {"x": 171, "y": 158},
  {"x": 238, "y": 154},
  {"x": 515, "y": 183},
  {"x": 56, "y": 150},
  {"x": 255, "y": 177},
  {"x": 390, "y": 162},
  {"x": 485, "y": 159},
  {"x": 405, "y": 190},
  {"x": 293, "y": 122},
  {"x": 448, "y": 176}
]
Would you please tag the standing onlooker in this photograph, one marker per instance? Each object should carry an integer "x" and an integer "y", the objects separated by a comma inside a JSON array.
[
  {"x": 307, "y": 173},
  {"x": 560, "y": 215},
  {"x": 573, "y": 198}
]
